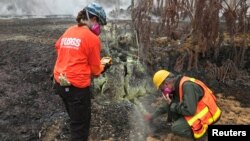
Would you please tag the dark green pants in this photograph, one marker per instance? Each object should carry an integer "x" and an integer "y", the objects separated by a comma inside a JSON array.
[{"x": 180, "y": 127}]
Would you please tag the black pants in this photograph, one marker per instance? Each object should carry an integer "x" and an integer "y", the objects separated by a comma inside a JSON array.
[{"x": 77, "y": 102}]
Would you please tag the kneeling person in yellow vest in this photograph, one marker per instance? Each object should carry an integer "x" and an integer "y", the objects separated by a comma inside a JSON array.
[{"x": 191, "y": 103}]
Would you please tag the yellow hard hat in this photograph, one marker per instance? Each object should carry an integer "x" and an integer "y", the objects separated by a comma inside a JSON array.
[{"x": 159, "y": 77}]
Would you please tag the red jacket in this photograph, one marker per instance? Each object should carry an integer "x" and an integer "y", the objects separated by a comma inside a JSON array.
[{"x": 78, "y": 56}]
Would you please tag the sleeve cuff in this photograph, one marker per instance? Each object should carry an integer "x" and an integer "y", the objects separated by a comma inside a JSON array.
[{"x": 172, "y": 106}]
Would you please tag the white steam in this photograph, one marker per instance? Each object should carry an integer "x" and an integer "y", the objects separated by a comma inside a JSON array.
[{"x": 9, "y": 8}]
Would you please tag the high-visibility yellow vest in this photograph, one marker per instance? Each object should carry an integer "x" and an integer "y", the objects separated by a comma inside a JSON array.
[{"x": 207, "y": 111}]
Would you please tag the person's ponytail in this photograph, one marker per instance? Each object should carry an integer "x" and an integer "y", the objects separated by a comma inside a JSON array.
[{"x": 81, "y": 17}]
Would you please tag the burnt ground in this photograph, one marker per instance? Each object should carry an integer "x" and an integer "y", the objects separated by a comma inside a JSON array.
[
  {"x": 27, "y": 57},
  {"x": 30, "y": 111}
]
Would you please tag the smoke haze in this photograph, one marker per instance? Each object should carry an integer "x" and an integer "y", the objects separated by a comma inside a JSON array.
[{"x": 10, "y": 8}]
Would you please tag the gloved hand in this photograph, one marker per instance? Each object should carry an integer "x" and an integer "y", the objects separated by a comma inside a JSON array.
[
  {"x": 107, "y": 62},
  {"x": 106, "y": 66},
  {"x": 148, "y": 117},
  {"x": 167, "y": 98}
]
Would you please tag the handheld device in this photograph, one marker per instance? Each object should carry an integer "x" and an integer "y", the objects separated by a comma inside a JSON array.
[{"x": 106, "y": 60}]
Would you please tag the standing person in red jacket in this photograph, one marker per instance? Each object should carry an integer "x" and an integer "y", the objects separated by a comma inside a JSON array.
[{"x": 78, "y": 58}]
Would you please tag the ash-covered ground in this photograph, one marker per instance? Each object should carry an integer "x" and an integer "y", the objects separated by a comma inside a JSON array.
[{"x": 30, "y": 111}]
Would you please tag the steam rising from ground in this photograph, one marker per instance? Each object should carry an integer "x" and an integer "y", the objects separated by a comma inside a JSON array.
[{"x": 10, "y": 8}]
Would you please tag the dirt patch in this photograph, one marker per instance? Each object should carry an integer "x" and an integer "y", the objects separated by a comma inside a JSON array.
[{"x": 235, "y": 105}]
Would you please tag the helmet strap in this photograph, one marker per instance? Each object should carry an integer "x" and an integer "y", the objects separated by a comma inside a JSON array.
[
  {"x": 95, "y": 28},
  {"x": 88, "y": 19},
  {"x": 87, "y": 13}
]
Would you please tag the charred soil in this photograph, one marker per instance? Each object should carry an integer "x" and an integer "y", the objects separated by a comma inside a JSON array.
[{"x": 30, "y": 111}]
